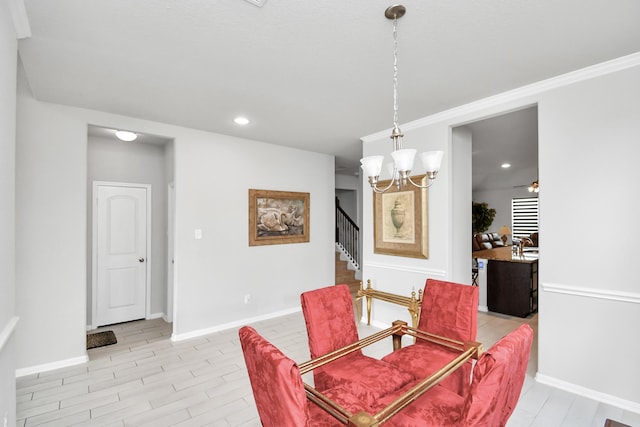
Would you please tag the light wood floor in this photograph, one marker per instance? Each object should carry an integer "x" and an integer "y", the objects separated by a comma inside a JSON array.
[{"x": 147, "y": 380}]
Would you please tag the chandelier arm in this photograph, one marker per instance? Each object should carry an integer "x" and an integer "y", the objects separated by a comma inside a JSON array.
[
  {"x": 431, "y": 181},
  {"x": 374, "y": 186}
]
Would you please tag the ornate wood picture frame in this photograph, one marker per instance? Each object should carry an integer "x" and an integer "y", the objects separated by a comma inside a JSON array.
[
  {"x": 400, "y": 223},
  {"x": 278, "y": 217}
]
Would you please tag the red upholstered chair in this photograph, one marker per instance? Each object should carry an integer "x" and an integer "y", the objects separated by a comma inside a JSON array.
[
  {"x": 497, "y": 382},
  {"x": 278, "y": 388},
  {"x": 449, "y": 310},
  {"x": 330, "y": 320}
]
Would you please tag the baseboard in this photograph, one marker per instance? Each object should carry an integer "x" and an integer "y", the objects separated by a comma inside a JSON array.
[
  {"x": 155, "y": 316},
  {"x": 608, "y": 399},
  {"x": 51, "y": 366},
  {"x": 483, "y": 308},
  {"x": 230, "y": 325}
]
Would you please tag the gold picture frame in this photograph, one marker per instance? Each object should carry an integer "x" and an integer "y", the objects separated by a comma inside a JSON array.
[
  {"x": 400, "y": 220},
  {"x": 278, "y": 217}
]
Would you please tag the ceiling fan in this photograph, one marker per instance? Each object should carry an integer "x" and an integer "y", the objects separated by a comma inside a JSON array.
[{"x": 534, "y": 187}]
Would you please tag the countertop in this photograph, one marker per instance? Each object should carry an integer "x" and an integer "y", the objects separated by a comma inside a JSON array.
[{"x": 506, "y": 254}]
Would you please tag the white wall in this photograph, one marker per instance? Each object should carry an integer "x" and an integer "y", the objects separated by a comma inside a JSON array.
[
  {"x": 213, "y": 274},
  {"x": 589, "y": 124},
  {"x": 110, "y": 160},
  {"x": 462, "y": 145},
  {"x": 8, "y": 66}
]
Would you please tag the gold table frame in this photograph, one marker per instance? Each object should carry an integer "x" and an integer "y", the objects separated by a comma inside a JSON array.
[
  {"x": 412, "y": 303},
  {"x": 468, "y": 350}
]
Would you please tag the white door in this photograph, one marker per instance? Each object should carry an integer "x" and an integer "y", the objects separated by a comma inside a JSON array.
[{"x": 120, "y": 245}]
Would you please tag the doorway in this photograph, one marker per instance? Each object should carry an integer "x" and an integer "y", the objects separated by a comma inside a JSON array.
[{"x": 148, "y": 160}]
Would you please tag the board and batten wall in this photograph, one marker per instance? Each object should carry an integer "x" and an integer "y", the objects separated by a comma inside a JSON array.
[
  {"x": 589, "y": 122},
  {"x": 213, "y": 174}
]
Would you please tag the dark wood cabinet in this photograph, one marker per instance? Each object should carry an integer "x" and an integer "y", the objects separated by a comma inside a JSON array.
[{"x": 512, "y": 287}]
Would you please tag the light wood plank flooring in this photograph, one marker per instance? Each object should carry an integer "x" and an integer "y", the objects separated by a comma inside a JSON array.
[{"x": 147, "y": 380}]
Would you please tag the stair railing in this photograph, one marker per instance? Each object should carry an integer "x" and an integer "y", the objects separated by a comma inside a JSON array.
[{"x": 347, "y": 235}]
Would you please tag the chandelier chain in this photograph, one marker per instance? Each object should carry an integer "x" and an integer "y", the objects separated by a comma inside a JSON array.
[{"x": 395, "y": 73}]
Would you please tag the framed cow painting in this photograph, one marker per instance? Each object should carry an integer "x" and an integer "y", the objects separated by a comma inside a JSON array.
[{"x": 277, "y": 217}]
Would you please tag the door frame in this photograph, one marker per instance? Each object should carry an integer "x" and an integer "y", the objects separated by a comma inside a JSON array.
[
  {"x": 171, "y": 227},
  {"x": 94, "y": 245}
]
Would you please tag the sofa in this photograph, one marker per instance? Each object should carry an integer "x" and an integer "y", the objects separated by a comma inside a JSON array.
[{"x": 481, "y": 241}]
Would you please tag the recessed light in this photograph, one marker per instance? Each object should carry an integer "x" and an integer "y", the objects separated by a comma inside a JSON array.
[
  {"x": 124, "y": 135},
  {"x": 241, "y": 121},
  {"x": 505, "y": 165}
]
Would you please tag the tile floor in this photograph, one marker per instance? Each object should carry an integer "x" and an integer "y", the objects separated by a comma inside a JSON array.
[{"x": 147, "y": 380}]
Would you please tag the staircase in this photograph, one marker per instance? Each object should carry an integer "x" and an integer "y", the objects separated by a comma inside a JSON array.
[
  {"x": 347, "y": 250},
  {"x": 345, "y": 275}
]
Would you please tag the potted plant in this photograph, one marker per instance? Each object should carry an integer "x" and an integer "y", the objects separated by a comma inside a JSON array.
[{"x": 482, "y": 217}]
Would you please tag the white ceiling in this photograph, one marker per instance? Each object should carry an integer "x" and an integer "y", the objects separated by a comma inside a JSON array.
[
  {"x": 312, "y": 75},
  {"x": 509, "y": 138}
]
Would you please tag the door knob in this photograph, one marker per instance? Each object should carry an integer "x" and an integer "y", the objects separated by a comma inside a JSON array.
[{"x": 141, "y": 259}]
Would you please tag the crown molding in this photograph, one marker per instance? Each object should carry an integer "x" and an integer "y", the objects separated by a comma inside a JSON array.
[
  {"x": 20, "y": 18},
  {"x": 597, "y": 70}
]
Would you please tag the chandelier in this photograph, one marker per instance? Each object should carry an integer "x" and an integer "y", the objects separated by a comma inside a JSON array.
[{"x": 402, "y": 158}]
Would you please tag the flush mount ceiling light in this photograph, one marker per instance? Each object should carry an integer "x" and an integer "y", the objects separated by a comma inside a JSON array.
[
  {"x": 124, "y": 135},
  {"x": 402, "y": 158},
  {"x": 241, "y": 121},
  {"x": 505, "y": 165}
]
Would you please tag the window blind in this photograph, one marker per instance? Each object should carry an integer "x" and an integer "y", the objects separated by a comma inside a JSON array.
[{"x": 524, "y": 216}]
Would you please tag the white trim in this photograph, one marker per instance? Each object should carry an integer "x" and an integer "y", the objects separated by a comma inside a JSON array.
[
  {"x": 483, "y": 308},
  {"x": 20, "y": 18},
  {"x": 427, "y": 271},
  {"x": 51, "y": 366},
  {"x": 608, "y": 399},
  {"x": 537, "y": 88},
  {"x": 620, "y": 296},
  {"x": 231, "y": 325},
  {"x": 7, "y": 331},
  {"x": 157, "y": 316}
]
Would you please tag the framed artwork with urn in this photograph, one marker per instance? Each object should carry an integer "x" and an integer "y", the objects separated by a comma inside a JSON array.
[{"x": 400, "y": 223}]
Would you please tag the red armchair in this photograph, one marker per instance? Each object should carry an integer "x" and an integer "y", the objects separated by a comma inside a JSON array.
[
  {"x": 278, "y": 389},
  {"x": 497, "y": 382},
  {"x": 331, "y": 325},
  {"x": 449, "y": 310}
]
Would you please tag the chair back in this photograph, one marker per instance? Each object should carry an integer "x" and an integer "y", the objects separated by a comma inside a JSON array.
[
  {"x": 276, "y": 382},
  {"x": 328, "y": 313},
  {"x": 449, "y": 310},
  {"x": 497, "y": 380}
]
